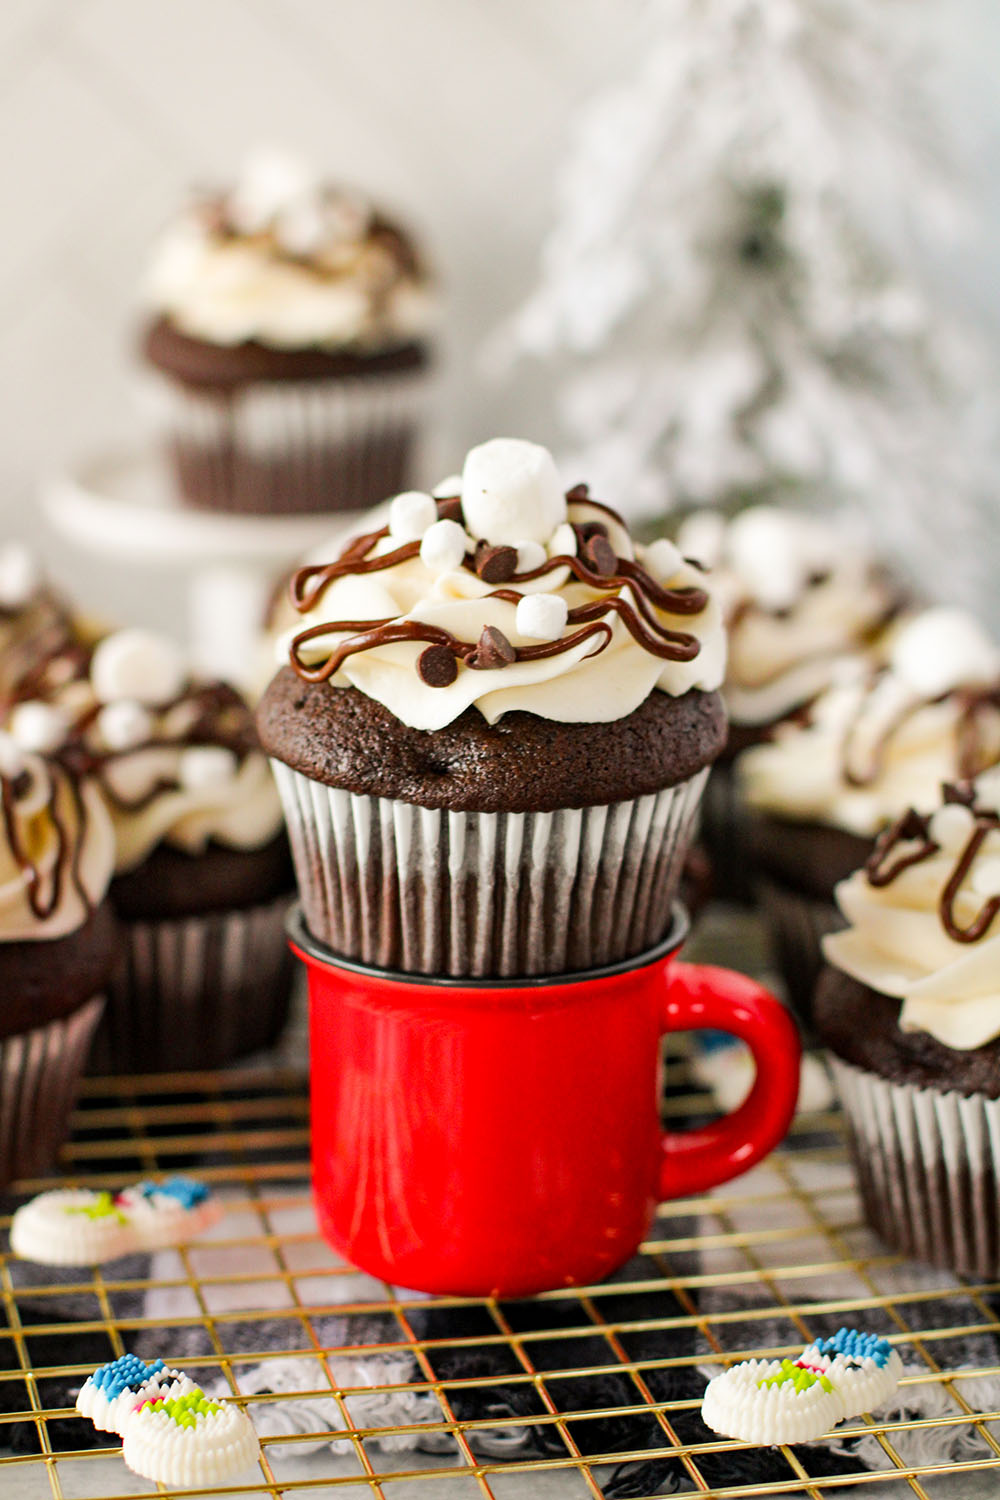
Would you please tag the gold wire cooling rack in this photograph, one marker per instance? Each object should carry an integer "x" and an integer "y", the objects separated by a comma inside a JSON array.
[{"x": 745, "y": 1271}]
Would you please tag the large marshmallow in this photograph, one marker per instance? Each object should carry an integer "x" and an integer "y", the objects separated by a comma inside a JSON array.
[
  {"x": 942, "y": 649},
  {"x": 511, "y": 492},
  {"x": 205, "y": 768},
  {"x": 137, "y": 664},
  {"x": 271, "y": 180},
  {"x": 776, "y": 551}
]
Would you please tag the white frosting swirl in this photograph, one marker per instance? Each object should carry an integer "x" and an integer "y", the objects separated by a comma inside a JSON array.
[
  {"x": 54, "y": 836},
  {"x": 574, "y": 686},
  {"x": 882, "y": 722},
  {"x": 292, "y": 264},
  {"x": 797, "y": 594},
  {"x": 896, "y": 942},
  {"x": 163, "y": 782}
]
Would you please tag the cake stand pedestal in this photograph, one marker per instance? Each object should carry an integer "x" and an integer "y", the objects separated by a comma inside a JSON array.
[{"x": 124, "y": 506}]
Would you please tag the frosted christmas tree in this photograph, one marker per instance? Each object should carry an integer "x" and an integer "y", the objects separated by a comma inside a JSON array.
[{"x": 717, "y": 307}]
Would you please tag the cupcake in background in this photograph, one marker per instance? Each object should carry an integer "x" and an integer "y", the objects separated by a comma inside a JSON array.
[
  {"x": 288, "y": 345},
  {"x": 878, "y": 741},
  {"x": 493, "y": 726},
  {"x": 910, "y": 1010},
  {"x": 57, "y": 949},
  {"x": 202, "y": 875},
  {"x": 798, "y": 592},
  {"x": 41, "y": 642}
]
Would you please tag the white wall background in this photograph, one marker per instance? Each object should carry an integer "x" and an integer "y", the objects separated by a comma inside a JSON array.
[{"x": 456, "y": 111}]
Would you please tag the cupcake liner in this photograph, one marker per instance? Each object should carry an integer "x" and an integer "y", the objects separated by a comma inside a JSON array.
[
  {"x": 40, "y": 1072},
  {"x": 928, "y": 1165},
  {"x": 292, "y": 446},
  {"x": 196, "y": 992},
  {"x": 470, "y": 894},
  {"x": 796, "y": 926}
]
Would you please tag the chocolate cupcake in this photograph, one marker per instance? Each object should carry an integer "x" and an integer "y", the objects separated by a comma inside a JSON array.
[
  {"x": 878, "y": 741},
  {"x": 202, "y": 872},
  {"x": 57, "y": 949},
  {"x": 910, "y": 1010},
  {"x": 288, "y": 333},
  {"x": 494, "y": 728},
  {"x": 798, "y": 593}
]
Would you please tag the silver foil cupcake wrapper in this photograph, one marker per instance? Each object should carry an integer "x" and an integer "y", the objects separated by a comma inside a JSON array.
[
  {"x": 324, "y": 445},
  {"x": 468, "y": 894},
  {"x": 928, "y": 1165},
  {"x": 196, "y": 992},
  {"x": 40, "y": 1073}
]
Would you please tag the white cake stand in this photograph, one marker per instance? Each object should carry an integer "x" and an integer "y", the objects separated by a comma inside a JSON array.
[{"x": 124, "y": 505}]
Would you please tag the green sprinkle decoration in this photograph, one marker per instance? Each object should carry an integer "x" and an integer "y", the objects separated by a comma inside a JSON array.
[
  {"x": 103, "y": 1207},
  {"x": 796, "y": 1375}
]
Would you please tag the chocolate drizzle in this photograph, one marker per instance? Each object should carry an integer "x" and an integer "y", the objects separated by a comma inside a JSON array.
[
  {"x": 972, "y": 752},
  {"x": 598, "y": 569},
  {"x": 914, "y": 828}
]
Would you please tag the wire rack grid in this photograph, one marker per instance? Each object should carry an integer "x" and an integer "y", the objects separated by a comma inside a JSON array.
[{"x": 581, "y": 1392}]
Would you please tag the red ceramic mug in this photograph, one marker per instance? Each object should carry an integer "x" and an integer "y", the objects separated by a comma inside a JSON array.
[{"x": 502, "y": 1137}]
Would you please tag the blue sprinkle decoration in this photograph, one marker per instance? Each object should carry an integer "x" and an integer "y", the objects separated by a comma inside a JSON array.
[
  {"x": 858, "y": 1345},
  {"x": 127, "y": 1373},
  {"x": 188, "y": 1191}
]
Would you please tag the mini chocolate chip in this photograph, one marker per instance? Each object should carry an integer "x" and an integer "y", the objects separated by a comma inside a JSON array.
[
  {"x": 586, "y": 529},
  {"x": 493, "y": 651},
  {"x": 600, "y": 556},
  {"x": 496, "y": 564},
  {"x": 450, "y": 509},
  {"x": 437, "y": 666},
  {"x": 578, "y": 492}
]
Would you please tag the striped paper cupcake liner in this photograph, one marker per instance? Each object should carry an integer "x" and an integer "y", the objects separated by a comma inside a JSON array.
[
  {"x": 197, "y": 992},
  {"x": 470, "y": 894},
  {"x": 40, "y": 1073},
  {"x": 928, "y": 1165},
  {"x": 292, "y": 447}
]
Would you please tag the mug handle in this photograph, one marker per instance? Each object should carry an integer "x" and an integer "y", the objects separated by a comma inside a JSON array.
[{"x": 701, "y": 997}]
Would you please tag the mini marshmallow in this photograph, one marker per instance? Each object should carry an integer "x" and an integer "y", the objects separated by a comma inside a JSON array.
[
  {"x": 124, "y": 724},
  {"x": 444, "y": 546},
  {"x": 410, "y": 515},
  {"x": 941, "y": 649},
  {"x": 448, "y": 488},
  {"x": 511, "y": 492},
  {"x": 563, "y": 541},
  {"x": 542, "y": 617},
  {"x": 300, "y": 228},
  {"x": 951, "y": 826},
  {"x": 530, "y": 555},
  {"x": 137, "y": 664},
  {"x": 12, "y": 761},
  {"x": 662, "y": 560},
  {"x": 702, "y": 536},
  {"x": 41, "y": 727},
  {"x": 203, "y": 768},
  {"x": 20, "y": 576}
]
